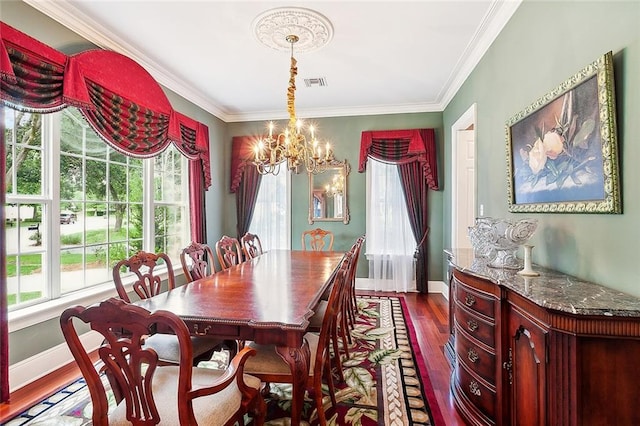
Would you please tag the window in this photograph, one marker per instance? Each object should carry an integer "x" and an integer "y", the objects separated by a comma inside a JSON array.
[
  {"x": 390, "y": 241},
  {"x": 75, "y": 206},
  {"x": 271, "y": 219}
]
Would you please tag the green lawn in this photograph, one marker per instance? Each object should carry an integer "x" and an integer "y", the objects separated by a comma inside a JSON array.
[
  {"x": 29, "y": 263},
  {"x": 28, "y": 295}
]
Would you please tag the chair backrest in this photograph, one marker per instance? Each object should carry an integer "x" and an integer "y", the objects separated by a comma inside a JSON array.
[
  {"x": 197, "y": 261},
  {"x": 143, "y": 265},
  {"x": 124, "y": 327},
  {"x": 322, "y": 363},
  {"x": 228, "y": 251},
  {"x": 251, "y": 245},
  {"x": 319, "y": 240}
]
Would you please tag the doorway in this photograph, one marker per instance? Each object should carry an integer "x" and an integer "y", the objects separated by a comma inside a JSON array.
[{"x": 463, "y": 176}]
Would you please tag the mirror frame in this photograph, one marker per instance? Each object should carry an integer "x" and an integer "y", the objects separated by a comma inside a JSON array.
[{"x": 344, "y": 169}]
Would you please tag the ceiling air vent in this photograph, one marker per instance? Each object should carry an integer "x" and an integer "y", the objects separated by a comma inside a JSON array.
[{"x": 313, "y": 82}]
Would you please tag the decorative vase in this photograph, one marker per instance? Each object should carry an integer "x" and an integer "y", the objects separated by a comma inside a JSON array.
[
  {"x": 528, "y": 270},
  {"x": 497, "y": 240}
]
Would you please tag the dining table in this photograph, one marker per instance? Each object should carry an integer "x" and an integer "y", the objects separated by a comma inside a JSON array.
[{"x": 268, "y": 300}]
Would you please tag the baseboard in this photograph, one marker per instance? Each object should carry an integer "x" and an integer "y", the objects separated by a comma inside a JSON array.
[
  {"x": 31, "y": 369},
  {"x": 434, "y": 286}
]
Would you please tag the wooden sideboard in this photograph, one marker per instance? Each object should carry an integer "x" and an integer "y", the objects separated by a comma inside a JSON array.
[{"x": 547, "y": 350}]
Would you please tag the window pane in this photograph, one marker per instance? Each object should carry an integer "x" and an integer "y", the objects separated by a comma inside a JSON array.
[
  {"x": 25, "y": 278},
  {"x": 96, "y": 180},
  {"x": 72, "y": 130},
  {"x": 171, "y": 222},
  {"x": 25, "y": 247},
  {"x": 135, "y": 182},
  {"x": 29, "y": 170},
  {"x": 71, "y": 180},
  {"x": 271, "y": 213},
  {"x": 94, "y": 146}
]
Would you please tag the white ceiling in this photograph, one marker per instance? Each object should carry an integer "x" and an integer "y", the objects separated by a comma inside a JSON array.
[{"x": 384, "y": 57}]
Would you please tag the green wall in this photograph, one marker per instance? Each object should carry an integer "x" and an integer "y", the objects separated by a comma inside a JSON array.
[
  {"x": 542, "y": 45},
  {"x": 344, "y": 135}
]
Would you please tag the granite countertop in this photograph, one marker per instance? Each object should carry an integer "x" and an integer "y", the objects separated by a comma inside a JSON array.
[{"x": 552, "y": 289}]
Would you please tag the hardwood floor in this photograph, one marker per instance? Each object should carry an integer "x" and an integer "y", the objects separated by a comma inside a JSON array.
[{"x": 430, "y": 317}]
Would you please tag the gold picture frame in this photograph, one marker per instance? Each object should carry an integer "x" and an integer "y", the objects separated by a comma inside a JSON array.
[{"x": 562, "y": 151}]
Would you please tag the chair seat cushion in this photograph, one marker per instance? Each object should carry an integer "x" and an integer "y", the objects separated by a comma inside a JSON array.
[
  {"x": 267, "y": 361},
  {"x": 315, "y": 322},
  {"x": 213, "y": 409},
  {"x": 168, "y": 350}
]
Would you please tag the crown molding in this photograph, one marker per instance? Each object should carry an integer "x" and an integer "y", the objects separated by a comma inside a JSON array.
[
  {"x": 338, "y": 112},
  {"x": 492, "y": 23},
  {"x": 64, "y": 12}
]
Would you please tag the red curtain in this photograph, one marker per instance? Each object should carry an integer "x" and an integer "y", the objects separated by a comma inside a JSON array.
[
  {"x": 119, "y": 99},
  {"x": 246, "y": 197},
  {"x": 245, "y": 181},
  {"x": 414, "y": 151},
  {"x": 414, "y": 188}
]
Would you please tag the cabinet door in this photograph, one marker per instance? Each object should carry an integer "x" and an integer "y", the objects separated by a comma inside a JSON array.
[{"x": 526, "y": 370}]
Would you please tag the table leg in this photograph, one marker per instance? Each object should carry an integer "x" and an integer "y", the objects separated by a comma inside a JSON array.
[{"x": 298, "y": 360}]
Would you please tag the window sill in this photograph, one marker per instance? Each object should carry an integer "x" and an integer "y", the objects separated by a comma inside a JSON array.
[{"x": 41, "y": 312}]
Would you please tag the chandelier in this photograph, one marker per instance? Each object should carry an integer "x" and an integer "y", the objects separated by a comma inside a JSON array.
[
  {"x": 292, "y": 145},
  {"x": 336, "y": 187}
]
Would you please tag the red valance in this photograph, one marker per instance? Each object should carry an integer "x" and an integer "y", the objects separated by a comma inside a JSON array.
[
  {"x": 119, "y": 98},
  {"x": 402, "y": 146},
  {"x": 31, "y": 73},
  {"x": 242, "y": 153}
]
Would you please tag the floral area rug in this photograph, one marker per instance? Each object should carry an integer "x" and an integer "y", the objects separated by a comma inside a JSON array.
[{"x": 386, "y": 382}]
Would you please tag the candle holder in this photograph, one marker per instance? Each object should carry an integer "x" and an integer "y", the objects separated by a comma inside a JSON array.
[{"x": 528, "y": 270}]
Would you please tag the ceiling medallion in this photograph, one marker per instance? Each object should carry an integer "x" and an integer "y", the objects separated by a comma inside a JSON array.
[{"x": 273, "y": 26}]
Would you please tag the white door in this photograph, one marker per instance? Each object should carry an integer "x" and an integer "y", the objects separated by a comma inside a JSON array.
[
  {"x": 463, "y": 176},
  {"x": 465, "y": 203}
]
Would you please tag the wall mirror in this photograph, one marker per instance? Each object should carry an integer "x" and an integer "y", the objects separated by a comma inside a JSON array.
[{"x": 328, "y": 194}]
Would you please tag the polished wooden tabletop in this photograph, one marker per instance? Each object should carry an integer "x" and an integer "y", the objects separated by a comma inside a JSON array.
[{"x": 277, "y": 290}]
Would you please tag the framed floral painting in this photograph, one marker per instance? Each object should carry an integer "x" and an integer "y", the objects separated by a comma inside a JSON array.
[{"x": 562, "y": 150}]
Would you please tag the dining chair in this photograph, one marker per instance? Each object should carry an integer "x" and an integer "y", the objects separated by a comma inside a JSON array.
[
  {"x": 271, "y": 368},
  {"x": 317, "y": 239},
  {"x": 197, "y": 261},
  {"x": 228, "y": 251},
  {"x": 147, "y": 392},
  {"x": 148, "y": 283},
  {"x": 352, "y": 302},
  {"x": 251, "y": 245},
  {"x": 341, "y": 328}
]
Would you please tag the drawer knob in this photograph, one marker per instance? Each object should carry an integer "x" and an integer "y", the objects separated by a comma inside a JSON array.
[
  {"x": 474, "y": 388},
  {"x": 200, "y": 333},
  {"x": 473, "y": 355},
  {"x": 469, "y": 300},
  {"x": 472, "y": 325}
]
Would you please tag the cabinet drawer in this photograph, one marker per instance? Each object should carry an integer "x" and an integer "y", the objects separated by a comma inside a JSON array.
[
  {"x": 475, "y": 301},
  {"x": 476, "y": 327},
  {"x": 479, "y": 394},
  {"x": 476, "y": 358}
]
